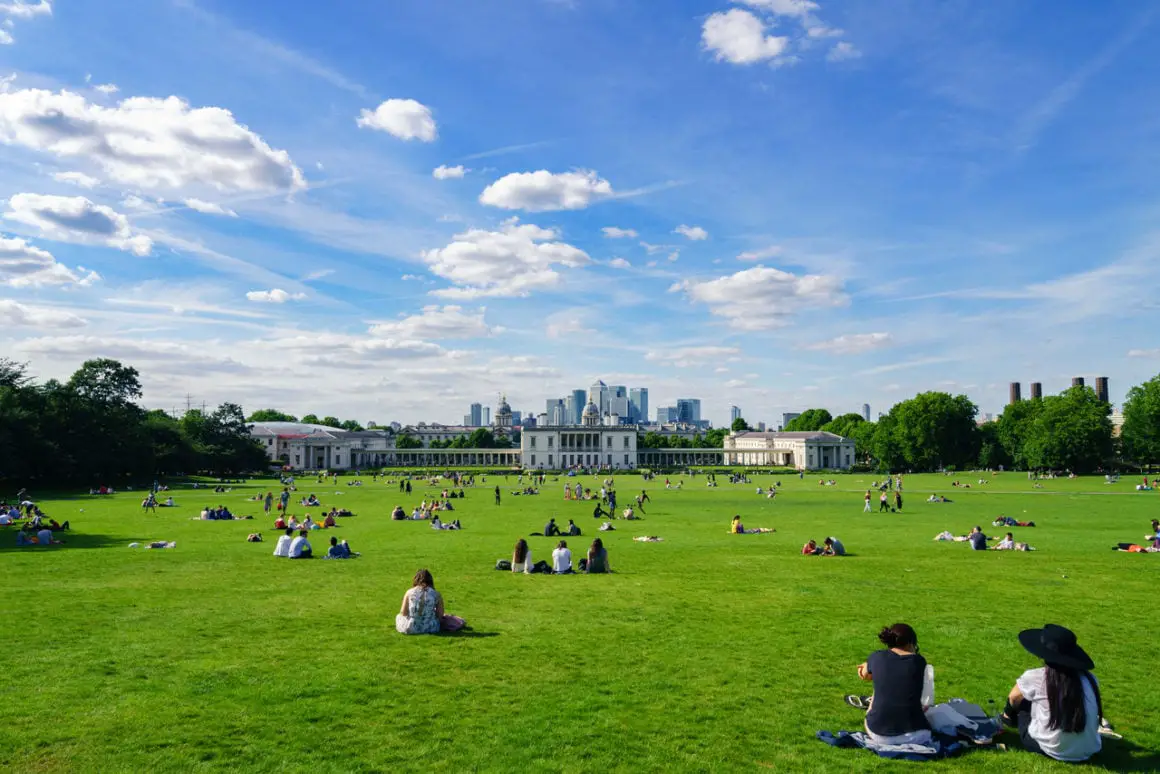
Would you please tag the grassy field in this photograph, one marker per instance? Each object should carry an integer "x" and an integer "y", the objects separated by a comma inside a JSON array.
[{"x": 706, "y": 652}]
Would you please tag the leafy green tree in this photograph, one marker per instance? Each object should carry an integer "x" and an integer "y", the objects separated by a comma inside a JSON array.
[
  {"x": 13, "y": 374},
  {"x": 406, "y": 441},
  {"x": 311, "y": 419},
  {"x": 271, "y": 415},
  {"x": 843, "y": 425},
  {"x": 863, "y": 434},
  {"x": 331, "y": 422},
  {"x": 934, "y": 430},
  {"x": 106, "y": 381},
  {"x": 652, "y": 440},
  {"x": 1072, "y": 431},
  {"x": 715, "y": 438},
  {"x": 810, "y": 420},
  {"x": 739, "y": 425},
  {"x": 351, "y": 425},
  {"x": 992, "y": 453},
  {"x": 1013, "y": 427},
  {"x": 1141, "y": 431}
]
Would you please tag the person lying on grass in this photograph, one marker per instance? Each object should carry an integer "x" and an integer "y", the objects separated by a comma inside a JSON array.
[
  {"x": 811, "y": 548},
  {"x": 895, "y": 712},
  {"x": 1136, "y": 548},
  {"x": 831, "y": 546},
  {"x": 339, "y": 550},
  {"x": 422, "y": 610},
  {"x": 437, "y": 523},
  {"x": 1057, "y": 708},
  {"x": 737, "y": 528},
  {"x": 1007, "y": 521}
]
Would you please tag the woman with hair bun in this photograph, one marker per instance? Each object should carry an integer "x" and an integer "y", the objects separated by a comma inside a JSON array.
[{"x": 896, "y": 714}]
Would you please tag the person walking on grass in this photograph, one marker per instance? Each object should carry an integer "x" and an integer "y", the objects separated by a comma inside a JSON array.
[
  {"x": 284, "y": 499},
  {"x": 883, "y": 504},
  {"x": 269, "y": 503},
  {"x": 866, "y": 500},
  {"x": 497, "y": 494},
  {"x": 898, "y": 499}
]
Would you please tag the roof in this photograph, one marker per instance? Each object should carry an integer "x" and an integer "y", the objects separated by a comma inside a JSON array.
[
  {"x": 281, "y": 428},
  {"x": 795, "y": 435}
]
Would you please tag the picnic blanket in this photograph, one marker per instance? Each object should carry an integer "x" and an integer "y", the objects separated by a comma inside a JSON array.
[{"x": 958, "y": 725}]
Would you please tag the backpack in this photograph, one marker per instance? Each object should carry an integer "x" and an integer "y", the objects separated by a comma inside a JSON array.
[
  {"x": 542, "y": 566},
  {"x": 503, "y": 564}
]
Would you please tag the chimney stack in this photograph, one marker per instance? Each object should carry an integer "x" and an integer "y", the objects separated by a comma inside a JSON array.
[
  {"x": 1077, "y": 381},
  {"x": 1036, "y": 390},
  {"x": 1102, "y": 388},
  {"x": 1016, "y": 392}
]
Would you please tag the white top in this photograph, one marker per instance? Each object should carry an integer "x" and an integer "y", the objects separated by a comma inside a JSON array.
[
  {"x": 561, "y": 560},
  {"x": 45, "y": 537},
  {"x": 1054, "y": 742},
  {"x": 283, "y": 547},
  {"x": 526, "y": 565},
  {"x": 5, "y": 518},
  {"x": 297, "y": 546}
]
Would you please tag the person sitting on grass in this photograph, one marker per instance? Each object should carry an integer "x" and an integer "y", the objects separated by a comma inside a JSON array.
[
  {"x": 550, "y": 529},
  {"x": 309, "y": 523},
  {"x": 597, "y": 513},
  {"x": 573, "y": 530},
  {"x": 1155, "y": 530},
  {"x": 1057, "y": 707},
  {"x": 737, "y": 528},
  {"x": 312, "y": 501},
  {"x": 422, "y": 610},
  {"x": 329, "y": 521},
  {"x": 300, "y": 547},
  {"x": 522, "y": 557},
  {"x": 398, "y": 514},
  {"x": 895, "y": 713},
  {"x": 562, "y": 559},
  {"x": 628, "y": 514},
  {"x": 1007, "y": 543},
  {"x": 831, "y": 546},
  {"x": 293, "y": 523},
  {"x": 282, "y": 547},
  {"x": 280, "y": 522},
  {"x": 977, "y": 539},
  {"x": 597, "y": 561},
  {"x": 811, "y": 548},
  {"x": 337, "y": 550}
]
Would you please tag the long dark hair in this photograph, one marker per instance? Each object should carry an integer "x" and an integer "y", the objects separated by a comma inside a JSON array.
[
  {"x": 597, "y": 547},
  {"x": 521, "y": 551},
  {"x": 1065, "y": 698},
  {"x": 423, "y": 578},
  {"x": 899, "y": 635}
]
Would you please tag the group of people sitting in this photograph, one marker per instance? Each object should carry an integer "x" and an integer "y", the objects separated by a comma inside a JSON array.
[
  {"x": 737, "y": 528},
  {"x": 311, "y": 501},
  {"x": 423, "y": 511},
  {"x": 551, "y": 529},
  {"x": 307, "y": 523},
  {"x": 979, "y": 540},
  {"x": 831, "y": 546},
  {"x": 595, "y": 562},
  {"x": 1151, "y": 546},
  {"x": 150, "y": 503},
  {"x": 291, "y": 546},
  {"x": 937, "y": 499},
  {"x": 221, "y": 513},
  {"x": 1056, "y": 708}
]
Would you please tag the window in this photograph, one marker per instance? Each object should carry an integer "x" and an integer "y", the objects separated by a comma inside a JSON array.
[
  {"x": 533, "y": 459},
  {"x": 550, "y": 442},
  {"x": 626, "y": 443},
  {"x": 626, "y": 459},
  {"x": 610, "y": 442},
  {"x": 533, "y": 441},
  {"x": 269, "y": 441},
  {"x": 297, "y": 458},
  {"x": 610, "y": 456},
  {"x": 337, "y": 460},
  {"x": 549, "y": 460}
]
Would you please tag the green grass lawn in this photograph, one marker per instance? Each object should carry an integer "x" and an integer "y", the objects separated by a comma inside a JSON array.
[{"x": 707, "y": 652}]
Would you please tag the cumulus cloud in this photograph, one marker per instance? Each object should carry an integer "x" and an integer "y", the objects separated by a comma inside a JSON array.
[
  {"x": 17, "y": 314},
  {"x": 761, "y": 298},
  {"x": 274, "y": 296},
  {"x": 22, "y": 265},
  {"x": 107, "y": 88},
  {"x": 651, "y": 248},
  {"x": 687, "y": 357},
  {"x": 612, "y": 232},
  {"x": 513, "y": 261},
  {"x": 344, "y": 351},
  {"x": 443, "y": 172},
  {"x": 77, "y": 179},
  {"x": 619, "y": 263},
  {"x": 853, "y": 344},
  {"x": 738, "y": 36},
  {"x": 20, "y": 9},
  {"x": 402, "y": 118},
  {"x": 843, "y": 51},
  {"x": 568, "y": 322},
  {"x": 1146, "y": 353},
  {"x": 209, "y": 208},
  {"x": 760, "y": 255},
  {"x": 77, "y": 219},
  {"x": 435, "y": 322},
  {"x": 544, "y": 191},
  {"x": 166, "y": 352},
  {"x": 148, "y": 143},
  {"x": 692, "y": 233}
]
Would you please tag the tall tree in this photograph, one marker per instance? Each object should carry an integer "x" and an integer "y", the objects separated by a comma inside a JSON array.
[
  {"x": 934, "y": 430},
  {"x": 739, "y": 425},
  {"x": 843, "y": 425},
  {"x": 1141, "y": 431},
  {"x": 1072, "y": 431},
  {"x": 809, "y": 420},
  {"x": 271, "y": 415},
  {"x": 311, "y": 419}
]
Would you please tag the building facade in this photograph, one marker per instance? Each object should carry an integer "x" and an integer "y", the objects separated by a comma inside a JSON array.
[
  {"x": 800, "y": 450},
  {"x": 561, "y": 448}
]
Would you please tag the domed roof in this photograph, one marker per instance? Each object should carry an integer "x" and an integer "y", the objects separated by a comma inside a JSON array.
[
  {"x": 503, "y": 407},
  {"x": 590, "y": 410}
]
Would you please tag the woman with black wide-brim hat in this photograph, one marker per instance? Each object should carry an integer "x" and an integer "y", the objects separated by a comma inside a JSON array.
[{"x": 1057, "y": 707}]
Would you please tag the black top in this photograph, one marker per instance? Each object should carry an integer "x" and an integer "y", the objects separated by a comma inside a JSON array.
[
  {"x": 978, "y": 541},
  {"x": 897, "y": 705}
]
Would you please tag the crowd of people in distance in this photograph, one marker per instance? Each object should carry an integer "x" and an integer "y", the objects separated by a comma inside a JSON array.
[
  {"x": 831, "y": 546},
  {"x": 33, "y": 526},
  {"x": 884, "y": 503},
  {"x": 1056, "y": 708},
  {"x": 979, "y": 540},
  {"x": 595, "y": 562}
]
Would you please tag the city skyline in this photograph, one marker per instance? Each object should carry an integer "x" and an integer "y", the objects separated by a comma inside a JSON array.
[{"x": 385, "y": 213}]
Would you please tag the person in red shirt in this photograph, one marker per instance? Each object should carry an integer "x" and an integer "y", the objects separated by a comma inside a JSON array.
[{"x": 810, "y": 548}]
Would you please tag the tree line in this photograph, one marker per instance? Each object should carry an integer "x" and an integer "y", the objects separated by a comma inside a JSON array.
[{"x": 90, "y": 429}]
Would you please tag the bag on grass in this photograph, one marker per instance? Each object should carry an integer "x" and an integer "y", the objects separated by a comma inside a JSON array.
[
  {"x": 541, "y": 566},
  {"x": 503, "y": 564}
]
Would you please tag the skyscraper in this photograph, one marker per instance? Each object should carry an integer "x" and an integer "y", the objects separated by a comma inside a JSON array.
[
  {"x": 788, "y": 417},
  {"x": 476, "y": 415},
  {"x": 866, "y": 411},
  {"x": 734, "y": 414},
  {"x": 486, "y": 416},
  {"x": 638, "y": 402},
  {"x": 689, "y": 410},
  {"x": 1102, "y": 388},
  {"x": 666, "y": 414},
  {"x": 579, "y": 401},
  {"x": 555, "y": 411},
  {"x": 598, "y": 394}
]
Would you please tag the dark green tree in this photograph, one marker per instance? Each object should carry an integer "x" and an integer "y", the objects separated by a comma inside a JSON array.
[
  {"x": 405, "y": 441},
  {"x": 1072, "y": 431},
  {"x": 810, "y": 420},
  {"x": 843, "y": 425},
  {"x": 311, "y": 419},
  {"x": 935, "y": 430},
  {"x": 1140, "y": 434},
  {"x": 739, "y": 425},
  {"x": 351, "y": 425},
  {"x": 271, "y": 415}
]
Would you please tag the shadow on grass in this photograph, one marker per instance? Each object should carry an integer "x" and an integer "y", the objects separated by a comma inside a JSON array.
[
  {"x": 1122, "y": 755},
  {"x": 71, "y": 540},
  {"x": 467, "y": 634}
]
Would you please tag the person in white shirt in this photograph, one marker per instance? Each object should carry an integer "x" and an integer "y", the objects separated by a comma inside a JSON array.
[
  {"x": 1006, "y": 544},
  {"x": 282, "y": 549},
  {"x": 300, "y": 547},
  {"x": 562, "y": 559},
  {"x": 522, "y": 557},
  {"x": 1057, "y": 707}
]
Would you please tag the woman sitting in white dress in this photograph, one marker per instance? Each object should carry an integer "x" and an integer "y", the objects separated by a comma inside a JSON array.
[{"x": 422, "y": 610}]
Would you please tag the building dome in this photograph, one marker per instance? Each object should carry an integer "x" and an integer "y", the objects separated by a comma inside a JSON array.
[
  {"x": 591, "y": 415},
  {"x": 503, "y": 413}
]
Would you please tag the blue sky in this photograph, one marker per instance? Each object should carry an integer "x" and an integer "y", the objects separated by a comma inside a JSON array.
[{"x": 776, "y": 204}]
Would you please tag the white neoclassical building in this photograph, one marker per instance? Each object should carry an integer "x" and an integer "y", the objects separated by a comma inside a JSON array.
[
  {"x": 558, "y": 448},
  {"x": 815, "y": 450}
]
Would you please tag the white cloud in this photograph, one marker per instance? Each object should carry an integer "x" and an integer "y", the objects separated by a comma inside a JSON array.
[
  {"x": 674, "y": 255},
  {"x": 612, "y": 232},
  {"x": 209, "y": 208},
  {"x": 853, "y": 344},
  {"x": 434, "y": 322},
  {"x": 23, "y": 265},
  {"x": 568, "y": 322},
  {"x": 619, "y": 263},
  {"x": 761, "y": 298},
  {"x": 17, "y": 314},
  {"x": 760, "y": 255},
  {"x": 692, "y": 233},
  {"x": 317, "y": 274},
  {"x": 6, "y": 80},
  {"x": 148, "y": 143},
  {"x": 650, "y": 248},
  {"x": 77, "y": 219},
  {"x": 512, "y": 261},
  {"x": 402, "y": 118},
  {"x": 274, "y": 296},
  {"x": 734, "y": 384},
  {"x": 688, "y": 357},
  {"x": 22, "y": 9},
  {"x": 1147, "y": 353},
  {"x": 77, "y": 178},
  {"x": 6, "y": 38},
  {"x": 843, "y": 51},
  {"x": 186, "y": 355},
  {"x": 739, "y": 37},
  {"x": 107, "y": 88},
  {"x": 543, "y": 191},
  {"x": 443, "y": 172}
]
